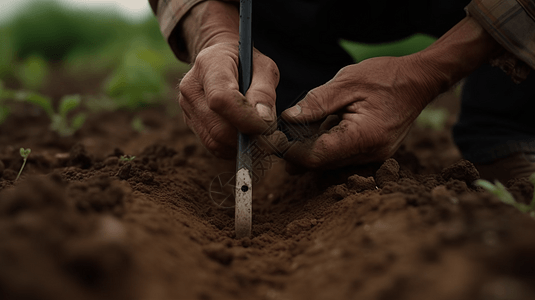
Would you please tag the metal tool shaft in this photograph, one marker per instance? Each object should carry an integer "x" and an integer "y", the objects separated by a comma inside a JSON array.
[{"x": 244, "y": 184}]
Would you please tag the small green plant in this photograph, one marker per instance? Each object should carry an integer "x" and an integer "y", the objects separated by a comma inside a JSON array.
[
  {"x": 59, "y": 120},
  {"x": 503, "y": 194},
  {"x": 126, "y": 158},
  {"x": 24, "y": 153}
]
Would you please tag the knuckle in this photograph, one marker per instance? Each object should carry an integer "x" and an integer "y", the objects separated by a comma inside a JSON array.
[
  {"x": 213, "y": 147},
  {"x": 218, "y": 132},
  {"x": 271, "y": 67},
  {"x": 184, "y": 105},
  {"x": 188, "y": 87},
  {"x": 187, "y": 118},
  {"x": 217, "y": 100},
  {"x": 221, "y": 101}
]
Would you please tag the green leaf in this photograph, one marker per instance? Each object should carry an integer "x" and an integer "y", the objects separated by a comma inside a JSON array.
[
  {"x": 503, "y": 194},
  {"x": 486, "y": 185},
  {"x": 497, "y": 189},
  {"x": 44, "y": 102},
  {"x": 25, "y": 152},
  {"x": 69, "y": 103},
  {"x": 78, "y": 121},
  {"x": 57, "y": 124}
]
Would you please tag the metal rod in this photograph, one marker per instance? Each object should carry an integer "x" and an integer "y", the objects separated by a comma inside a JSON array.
[{"x": 244, "y": 184}]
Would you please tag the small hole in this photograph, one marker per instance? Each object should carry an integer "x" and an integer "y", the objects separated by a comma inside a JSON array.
[{"x": 244, "y": 188}]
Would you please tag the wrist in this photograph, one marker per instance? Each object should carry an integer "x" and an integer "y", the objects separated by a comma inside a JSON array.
[
  {"x": 209, "y": 23},
  {"x": 459, "y": 52}
]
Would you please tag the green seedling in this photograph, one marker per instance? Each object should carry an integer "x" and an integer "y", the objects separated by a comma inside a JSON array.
[
  {"x": 59, "y": 120},
  {"x": 24, "y": 153},
  {"x": 503, "y": 194},
  {"x": 126, "y": 158},
  {"x": 135, "y": 84}
]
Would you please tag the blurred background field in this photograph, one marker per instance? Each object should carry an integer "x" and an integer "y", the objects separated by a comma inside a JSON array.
[
  {"x": 111, "y": 51},
  {"x": 122, "y": 50}
]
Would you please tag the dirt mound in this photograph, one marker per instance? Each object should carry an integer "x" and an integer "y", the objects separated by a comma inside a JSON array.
[{"x": 83, "y": 224}]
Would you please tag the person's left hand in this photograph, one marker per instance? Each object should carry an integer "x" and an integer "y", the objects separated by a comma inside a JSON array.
[{"x": 375, "y": 101}]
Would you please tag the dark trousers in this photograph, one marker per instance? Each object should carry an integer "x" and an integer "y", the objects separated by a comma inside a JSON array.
[
  {"x": 496, "y": 117},
  {"x": 302, "y": 37}
]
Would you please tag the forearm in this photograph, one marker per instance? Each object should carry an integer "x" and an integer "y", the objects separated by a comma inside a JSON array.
[
  {"x": 459, "y": 52},
  {"x": 209, "y": 23}
]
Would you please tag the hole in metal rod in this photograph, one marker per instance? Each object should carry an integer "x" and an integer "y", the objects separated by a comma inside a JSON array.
[{"x": 244, "y": 188}]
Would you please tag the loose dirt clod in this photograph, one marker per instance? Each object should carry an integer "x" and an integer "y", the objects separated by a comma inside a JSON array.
[
  {"x": 388, "y": 172},
  {"x": 219, "y": 253},
  {"x": 78, "y": 157},
  {"x": 359, "y": 183},
  {"x": 462, "y": 170},
  {"x": 124, "y": 171},
  {"x": 9, "y": 174}
]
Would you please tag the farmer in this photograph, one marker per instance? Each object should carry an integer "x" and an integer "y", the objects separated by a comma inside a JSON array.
[{"x": 371, "y": 104}]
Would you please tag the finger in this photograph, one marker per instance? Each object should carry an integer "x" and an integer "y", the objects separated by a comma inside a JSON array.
[
  {"x": 273, "y": 144},
  {"x": 205, "y": 123},
  {"x": 329, "y": 123},
  {"x": 261, "y": 93},
  {"x": 224, "y": 98},
  {"x": 342, "y": 145},
  {"x": 322, "y": 101},
  {"x": 215, "y": 147}
]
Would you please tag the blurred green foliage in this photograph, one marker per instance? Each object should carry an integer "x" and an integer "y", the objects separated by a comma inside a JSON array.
[
  {"x": 52, "y": 30},
  {"x": 360, "y": 51},
  {"x": 33, "y": 72},
  {"x": 4, "y": 109},
  {"x": 7, "y": 52},
  {"x": 134, "y": 55}
]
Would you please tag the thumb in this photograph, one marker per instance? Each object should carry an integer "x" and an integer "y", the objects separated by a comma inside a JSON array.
[{"x": 317, "y": 104}]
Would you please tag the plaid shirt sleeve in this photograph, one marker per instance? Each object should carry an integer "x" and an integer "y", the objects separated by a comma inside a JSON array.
[
  {"x": 512, "y": 24},
  {"x": 169, "y": 14}
]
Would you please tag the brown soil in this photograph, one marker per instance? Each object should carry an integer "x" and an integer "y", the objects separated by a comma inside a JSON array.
[{"x": 80, "y": 224}]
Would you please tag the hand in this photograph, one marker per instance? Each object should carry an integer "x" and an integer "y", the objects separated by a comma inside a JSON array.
[
  {"x": 375, "y": 102},
  {"x": 213, "y": 106}
]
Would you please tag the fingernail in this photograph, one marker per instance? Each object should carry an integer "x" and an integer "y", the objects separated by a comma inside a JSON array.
[
  {"x": 264, "y": 112},
  {"x": 293, "y": 111}
]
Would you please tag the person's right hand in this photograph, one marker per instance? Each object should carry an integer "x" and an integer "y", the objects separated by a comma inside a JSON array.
[{"x": 213, "y": 106}]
